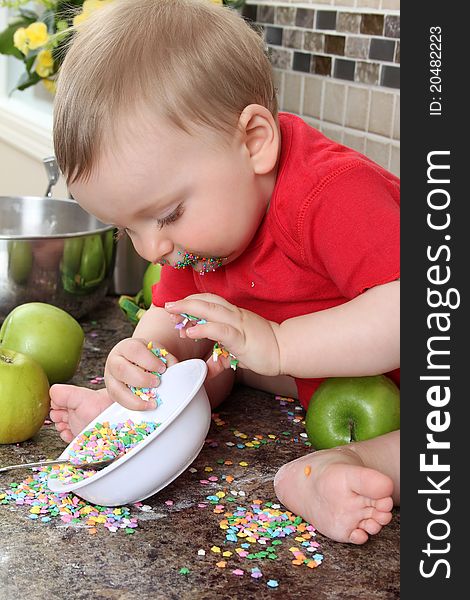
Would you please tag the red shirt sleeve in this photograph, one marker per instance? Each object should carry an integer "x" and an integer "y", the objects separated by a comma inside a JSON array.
[
  {"x": 351, "y": 229},
  {"x": 174, "y": 284}
]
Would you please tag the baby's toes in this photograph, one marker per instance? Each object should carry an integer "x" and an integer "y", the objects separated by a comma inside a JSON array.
[
  {"x": 370, "y": 525},
  {"x": 67, "y": 436},
  {"x": 358, "y": 536},
  {"x": 59, "y": 416},
  {"x": 383, "y": 504},
  {"x": 383, "y": 518}
]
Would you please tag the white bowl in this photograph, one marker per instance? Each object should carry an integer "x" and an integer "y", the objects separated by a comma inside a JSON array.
[{"x": 185, "y": 416}]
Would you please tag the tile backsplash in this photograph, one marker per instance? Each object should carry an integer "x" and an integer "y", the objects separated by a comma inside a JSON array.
[{"x": 337, "y": 65}]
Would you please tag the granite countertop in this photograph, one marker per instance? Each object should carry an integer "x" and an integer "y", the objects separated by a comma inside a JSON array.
[{"x": 56, "y": 560}]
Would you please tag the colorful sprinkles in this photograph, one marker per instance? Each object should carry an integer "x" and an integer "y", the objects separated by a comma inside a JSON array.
[
  {"x": 151, "y": 394},
  {"x": 256, "y": 533},
  {"x": 102, "y": 442},
  {"x": 219, "y": 350},
  {"x": 187, "y": 318},
  {"x": 45, "y": 506},
  {"x": 209, "y": 264}
]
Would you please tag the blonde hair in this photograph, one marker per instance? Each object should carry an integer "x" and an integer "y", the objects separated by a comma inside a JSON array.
[{"x": 189, "y": 61}]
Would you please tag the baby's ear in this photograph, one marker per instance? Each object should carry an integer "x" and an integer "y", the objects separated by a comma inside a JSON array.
[{"x": 261, "y": 137}]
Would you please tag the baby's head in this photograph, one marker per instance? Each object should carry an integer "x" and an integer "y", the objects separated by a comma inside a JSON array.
[{"x": 165, "y": 124}]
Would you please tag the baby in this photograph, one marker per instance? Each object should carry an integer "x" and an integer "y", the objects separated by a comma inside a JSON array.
[{"x": 285, "y": 242}]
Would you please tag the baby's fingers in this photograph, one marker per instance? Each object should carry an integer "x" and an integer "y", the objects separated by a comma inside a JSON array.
[
  {"x": 120, "y": 392},
  {"x": 227, "y": 336}
]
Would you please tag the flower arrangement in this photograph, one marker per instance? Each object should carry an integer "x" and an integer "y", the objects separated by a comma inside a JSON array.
[{"x": 38, "y": 37}]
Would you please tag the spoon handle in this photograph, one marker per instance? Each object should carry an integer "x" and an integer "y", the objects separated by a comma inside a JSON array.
[{"x": 41, "y": 463}]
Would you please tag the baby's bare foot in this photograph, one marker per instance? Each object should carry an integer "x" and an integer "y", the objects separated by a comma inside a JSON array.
[
  {"x": 72, "y": 408},
  {"x": 332, "y": 490}
]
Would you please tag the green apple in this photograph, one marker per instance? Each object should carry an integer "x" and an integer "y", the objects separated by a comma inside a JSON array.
[
  {"x": 46, "y": 333},
  {"x": 151, "y": 276},
  {"x": 24, "y": 397},
  {"x": 348, "y": 409}
]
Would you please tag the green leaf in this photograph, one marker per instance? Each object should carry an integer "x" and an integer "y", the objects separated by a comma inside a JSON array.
[{"x": 27, "y": 80}]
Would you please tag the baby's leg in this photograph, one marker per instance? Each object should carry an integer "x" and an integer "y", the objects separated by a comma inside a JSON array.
[
  {"x": 347, "y": 492},
  {"x": 73, "y": 407}
]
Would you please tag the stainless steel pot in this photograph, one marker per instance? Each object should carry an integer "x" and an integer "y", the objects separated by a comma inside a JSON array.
[{"x": 52, "y": 251}]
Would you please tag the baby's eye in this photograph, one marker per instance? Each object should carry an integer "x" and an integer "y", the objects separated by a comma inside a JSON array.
[{"x": 172, "y": 217}]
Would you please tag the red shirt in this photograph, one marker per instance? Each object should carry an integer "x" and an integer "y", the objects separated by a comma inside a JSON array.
[{"x": 330, "y": 233}]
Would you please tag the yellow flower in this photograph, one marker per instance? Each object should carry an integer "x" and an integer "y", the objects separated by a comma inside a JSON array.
[
  {"x": 37, "y": 35},
  {"x": 50, "y": 85},
  {"x": 20, "y": 40},
  {"x": 89, "y": 6},
  {"x": 34, "y": 36},
  {"x": 44, "y": 63}
]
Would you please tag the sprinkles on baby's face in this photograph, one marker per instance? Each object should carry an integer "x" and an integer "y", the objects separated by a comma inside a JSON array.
[
  {"x": 190, "y": 260},
  {"x": 151, "y": 394},
  {"x": 101, "y": 442}
]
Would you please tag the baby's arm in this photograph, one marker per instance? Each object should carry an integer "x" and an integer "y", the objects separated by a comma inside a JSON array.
[{"x": 360, "y": 337}]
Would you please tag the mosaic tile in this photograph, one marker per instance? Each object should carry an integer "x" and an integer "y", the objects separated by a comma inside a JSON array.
[
  {"x": 334, "y": 100},
  {"x": 381, "y": 49},
  {"x": 293, "y": 38},
  {"x": 322, "y": 65},
  {"x": 390, "y": 76},
  {"x": 301, "y": 62},
  {"x": 348, "y": 22},
  {"x": 285, "y": 15},
  {"x": 280, "y": 59},
  {"x": 249, "y": 12},
  {"x": 292, "y": 92},
  {"x": 392, "y": 26},
  {"x": 334, "y": 44},
  {"x": 357, "y": 47},
  {"x": 266, "y": 14},
  {"x": 344, "y": 69},
  {"x": 314, "y": 41},
  {"x": 367, "y": 73},
  {"x": 326, "y": 19},
  {"x": 357, "y": 107},
  {"x": 304, "y": 18},
  {"x": 312, "y": 96},
  {"x": 372, "y": 24},
  {"x": 273, "y": 35}
]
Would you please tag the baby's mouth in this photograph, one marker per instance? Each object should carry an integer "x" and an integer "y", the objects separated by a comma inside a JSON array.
[{"x": 201, "y": 264}]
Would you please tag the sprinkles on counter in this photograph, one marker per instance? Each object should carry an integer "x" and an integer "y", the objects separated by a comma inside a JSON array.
[
  {"x": 254, "y": 531},
  {"x": 189, "y": 259},
  {"x": 151, "y": 394},
  {"x": 46, "y": 505}
]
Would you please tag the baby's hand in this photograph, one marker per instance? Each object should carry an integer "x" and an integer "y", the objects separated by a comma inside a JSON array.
[
  {"x": 130, "y": 363},
  {"x": 244, "y": 334}
]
